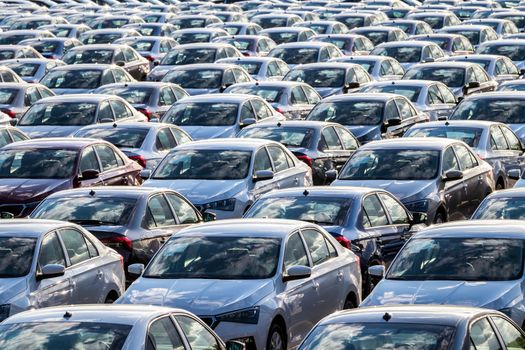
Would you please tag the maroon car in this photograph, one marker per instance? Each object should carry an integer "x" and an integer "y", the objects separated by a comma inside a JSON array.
[{"x": 31, "y": 170}]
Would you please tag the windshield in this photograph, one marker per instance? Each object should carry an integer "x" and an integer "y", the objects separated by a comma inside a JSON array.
[
  {"x": 120, "y": 137},
  {"x": 295, "y": 55},
  {"x": 435, "y": 22},
  {"x": 514, "y": 52},
  {"x": 512, "y": 87},
  {"x": 376, "y": 37},
  {"x": 60, "y": 113},
  {"x": 269, "y": 93},
  {"x": 92, "y": 210},
  {"x": 511, "y": 111},
  {"x": 46, "y": 46},
  {"x": 323, "y": 77},
  {"x": 251, "y": 67},
  {"x": 141, "y": 45},
  {"x": 403, "y": 54},
  {"x": 471, "y": 35},
  {"x": 34, "y": 163},
  {"x": 410, "y": 92},
  {"x": 340, "y": 43},
  {"x": 7, "y": 54},
  {"x": 392, "y": 164},
  {"x": 483, "y": 63},
  {"x": 439, "y": 41},
  {"x": 88, "y": 56},
  {"x": 322, "y": 211},
  {"x": 202, "y": 114},
  {"x": 501, "y": 208},
  {"x": 7, "y": 96},
  {"x": 376, "y": 336},
  {"x": 367, "y": 65},
  {"x": 271, "y": 22},
  {"x": 23, "y": 69},
  {"x": 459, "y": 259},
  {"x": 204, "y": 165},
  {"x": 189, "y": 38},
  {"x": 283, "y": 37},
  {"x": 240, "y": 44},
  {"x": 195, "y": 78},
  {"x": 318, "y": 28},
  {"x": 288, "y": 136},
  {"x": 205, "y": 257},
  {"x": 60, "y": 32},
  {"x": 353, "y": 112},
  {"x": 63, "y": 335},
  {"x": 105, "y": 38},
  {"x": 451, "y": 77},
  {"x": 470, "y": 136},
  {"x": 132, "y": 94},
  {"x": 16, "y": 256},
  {"x": 13, "y": 39},
  {"x": 189, "y": 56},
  {"x": 72, "y": 79}
]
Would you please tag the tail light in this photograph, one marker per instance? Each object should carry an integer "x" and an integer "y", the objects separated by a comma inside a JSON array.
[
  {"x": 304, "y": 158},
  {"x": 119, "y": 242},
  {"x": 150, "y": 58},
  {"x": 146, "y": 112},
  {"x": 280, "y": 110},
  {"x": 345, "y": 242},
  {"x": 9, "y": 112},
  {"x": 139, "y": 159}
]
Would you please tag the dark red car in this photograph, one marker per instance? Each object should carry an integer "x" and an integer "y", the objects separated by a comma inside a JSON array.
[{"x": 31, "y": 170}]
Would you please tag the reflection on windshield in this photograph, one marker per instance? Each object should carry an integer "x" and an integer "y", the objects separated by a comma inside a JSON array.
[
  {"x": 88, "y": 56},
  {"x": 37, "y": 163},
  {"x": 195, "y": 79},
  {"x": 72, "y": 113},
  {"x": 16, "y": 256},
  {"x": 501, "y": 208},
  {"x": 288, "y": 136},
  {"x": 295, "y": 55},
  {"x": 323, "y": 77},
  {"x": 120, "y": 137},
  {"x": 514, "y": 52},
  {"x": 270, "y": 94},
  {"x": 202, "y": 114},
  {"x": 349, "y": 112},
  {"x": 189, "y": 56},
  {"x": 470, "y": 136},
  {"x": 134, "y": 95},
  {"x": 501, "y": 110},
  {"x": 451, "y": 77},
  {"x": 410, "y": 92},
  {"x": 403, "y": 54},
  {"x": 72, "y": 79}
]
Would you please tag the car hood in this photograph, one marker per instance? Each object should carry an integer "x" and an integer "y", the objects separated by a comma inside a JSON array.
[
  {"x": 200, "y": 296},
  {"x": 40, "y": 131},
  {"x": 201, "y": 191},
  {"x": 494, "y": 295},
  {"x": 406, "y": 191},
  {"x": 210, "y": 132},
  {"x": 29, "y": 190},
  {"x": 11, "y": 287}
]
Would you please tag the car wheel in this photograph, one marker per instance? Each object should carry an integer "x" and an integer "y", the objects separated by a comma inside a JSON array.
[
  {"x": 439, "y": 218},
  {"x": 499, "y": 185},
  {"x": 349, "y": 304},
  {"x": 109, "y": 299},
  {"x": 276, "y": 340}
]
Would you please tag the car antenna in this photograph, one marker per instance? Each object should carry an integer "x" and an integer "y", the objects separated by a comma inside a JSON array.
[
  {"x": 306, "y": 193},
  {"x": 279, "y": 124},
  {"x": 387, "y": 316},
  {"x": 447, "y": 123},
  {"x": 92, "y": 193},
  {"x": 114, "y": 125},
  {"x": 68, "y": 314}
]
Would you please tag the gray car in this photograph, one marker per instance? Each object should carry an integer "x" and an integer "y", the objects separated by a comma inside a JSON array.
[
  {"x": 283, "y": 35},
  {"x": 507, "y": 204},
  {"x": 511, "y": 48},
  {"x": 416, "y": 327},
  {"x": 409, "y": 52},
  {"x": 225, "y": 176},
  {"x": 499, "y": 68},
  {"x": 50, "y": 263},
  {"x": 260, "y": 68},
  {"x": 16, "y": 98},
  {"x": 31, "y": 70},
  {"x": 471, "y": 263},
  {"x": 305, "y": 52},
  {"x": 379, "y": 67}
]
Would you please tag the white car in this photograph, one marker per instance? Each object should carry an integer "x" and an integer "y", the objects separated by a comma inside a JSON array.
[{"x": 260, "y": 281}]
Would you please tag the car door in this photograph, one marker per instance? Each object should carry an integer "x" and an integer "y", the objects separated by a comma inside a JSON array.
[
  {"x": 409, "y": 115},
  {"x": 500, "y": 155},
  {"x": 334, "y": 154},
  {"x": 399, "y": 220},
  {"x": 162, "y": 334},
  {"x": 85, "y": 271},
  {"x": 113, "y": 171},
  {"x": 454, "y": 192},
  {"x": 261, "y": 161},
  {"x": 299, "y": 102},
  {"x": 88, "y": 161},
  {"x": 196, "y": 335},
  {"x": 483, "y": 336},
  {"x": 285, "y": 176},
  {"x": 51, "y": 291}
]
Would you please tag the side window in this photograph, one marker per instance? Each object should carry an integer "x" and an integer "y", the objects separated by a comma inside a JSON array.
[
  {"x": 405, "y": 110},
  {"x": 312, "y": 95},
  {"x": 450, "y": 162},
  {"x": 75, "y": 244},
  {"x": 349, "y": 142},
  {"x": 324, "y": 55},
  {"x": 247, "y": 112},
  {"x": 295, "y": 252},
  {"x": 261, "y": 110},
  {"x": 398, "y": 69},
  {"x": 120, "y": 110},
  {"x": 184, "y": 211},
  {"x": 317, "y": 245},
  {"x": 482, "y": 336},
  {"x": 120, "y": 76},
  {"x": 298, "y": 96},
  {"x": 480, "y": 74},
  {"x": 159, "y": 213},
  {"x": 128, "y": 54},
  {"x": 162, "y": 334},
  {"x": 51, "y": 251},
  {"x": 398, "y": 214},
  {"x": 391, "y": 111},
  {"x": 512, "y": 140},
  {"x": 45, "y": 92},
  {"x": 511, "y": 336},
  {"x": 179, "y": 94},
  {"x": 107, "y": 78},
  {"x": 501, "y": 67},
  {"x": 93, "y": 252},
  {"x": 119, "y": 57},
  {"x": 167, "y": 98},
  {"x": 31, "y": 96},
  {"x": 104, "y": 112},
  {"x": 108, "y": 158},
  {"x": 89, "y": 161},
  {"x": 228, "y": 78},
  {"x": 448, "y": 96},
  {"x": 17, "y": 135},
  {"x": 180, "y": 136},
  {"x": 434, "y": 97},
  {"x": 373, "y": 212},
  {"x": 466, "y": 160},
  {"x": 198, "y": 336},
  {"x": 497, "y": 140},
  {"x": 386, "y": 68},
  {"x": 329, "y": 140},
  {"x": 279, "y": 158},
  {"x": 511, "y": 67},
  {"x": 272, "y": 69},
  {"x": 262, "y": 161},
  {"x": 9, "y": 77},
  {"x": 165, "y": 140}
]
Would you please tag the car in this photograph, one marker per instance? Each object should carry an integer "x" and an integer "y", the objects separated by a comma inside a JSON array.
[
  {"x": 106, "y": 36},
  {"x": 230, "y": 16},
  {"x": 227, "y": 175},
  {"x": 31, "y": 70},
  {"x": 153, "y": 29},
  {"x": 417, "y": 327},
  {"x": 330, "y": 78},
  {"x": 284, "y": 35},
  {"x": 409, "y": 52},
  {"x": 190, "y": 54},
  {"x": 238, "y": 28},
  {"x": 512, "y": 85},
  {"x": 486, "y": 269},
  {"x": 13, "y": 37},
  {"x": 272, "y": 261},
  {"x": 463, "y": 78},
  {"x": 206, "y": 78},
  {"x": 16, "y": 98},
  {"x": 357, "y": 19},
  {"x": 431, "y": 97},
  {"x": 197, "y": 35},
  {"x": 349, "y": 44},
  {"x": 511, "y": 48},
  {"x": 451, "y": 44},
  {"x": 8, "y": 52},
  {"x": 504, "y": 107},
  {"x": 324, "y": 26},
  {"x": 441, "y": 177},
  {"x": 502, "y": 27},
  {"x": 292, "y": 99},
  {"x": 114, "y": 21},
  {"x": 66, "y": 30},
  {"x": 152, "y": 99},
  {"x": 369, "y": 116},
  {"x": 210, "y": 116},
  {"x": 52, "y": 48},
  {"x": 380, "y": 34},
  {"x": 83, "y": 78},
  {"x": 517, "y": 17},
  {"x": 409, "y": 26},
  {"x": 145, "y": 143},
  {"x": 194, "y": 21},
  {"x": 476, "y": 34},
  {"x": 127, "y": 327},
  {"x": 134, "y": 222},
  {"x": 249, "y": 45},
  {"x": 436, "y": 20},
  {"x": 499, "y": 68},
  {"x": 502, "y": 205},
  {"x": 10, "y": 134},
  {"x": 494, "y": 142},
  {"x": 273, "y": 20},
  {"x": 305, "y": 52},
  {"x": 47, "y": 258},
  {"x": 260, "y": 68},
  {"x": 378, "y": 67}
]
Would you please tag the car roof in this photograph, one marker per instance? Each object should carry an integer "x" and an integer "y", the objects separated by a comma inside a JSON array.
[
  {"x": 304, "y": 44},
  {"x": 498, "y": 94},
  {"x": 100, "y": 47},
  {"x": 377, "y": 96},
  {"x": 249, "y": 59},
  {"x": 149, "y": 84},
  {"x": 332, "y": 64},
  {"x": 362, "y": 58},
  {"x": 476, "y": 228},
  {"x": 323, "y": 191},
  {"x": 113, "y": 191},
  {"x": 271, "y": 83},
  {"x": 285, "y": 29},
  {"x": 446, "y": 64},
  {"x": 407, "y": 43},
  {"x": 475, "y": 124},
  {"x": 128, "y": 125},
  {"x": 314, "y": 124},
  {"x": 197, "y": 66},
  {"x": 407, "y": 82},
  {"x": 504, "y": 42},
  {"x": 426, "y": 143},
  {"x": 29, "y": 227},
  {"x": 57, "y": 142},
  {"x": 227, "y": 98},
  {"x": 93, "y": 98},
  {"x": 202, "y": 46},
  {"x": 28, "y": 60},
  {"x": 82, "y": 66},
  {"x": 243, "y": 144}
]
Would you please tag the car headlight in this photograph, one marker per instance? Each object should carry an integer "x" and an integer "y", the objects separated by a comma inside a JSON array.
[
  {"x": 250, "y": 316},
  {"x": 224, "y": 204},
  {"x": 4, "y": 311},
  {"x": 420, "y": 206}
]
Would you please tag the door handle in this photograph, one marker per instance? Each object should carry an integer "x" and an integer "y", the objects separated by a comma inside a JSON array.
[
  {"x": 296, "y": 181},
  {"x": 316, "y": 285},
  {"x": 100, "y": 274},
  {"x": 340, "y": 275}
]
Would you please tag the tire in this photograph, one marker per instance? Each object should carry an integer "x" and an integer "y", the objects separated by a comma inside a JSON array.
[
  {"x": 500, "y": 186},
  {"x": 439, "y": 218},
  {"x": 109, "y": 299},
  {"x": 349, "y": 304},
  {"x": 276, "y": 339}
]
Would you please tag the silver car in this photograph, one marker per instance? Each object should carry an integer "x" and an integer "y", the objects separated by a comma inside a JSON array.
[
  {"x": 263, "y": 282},
  {"x": 46, "y": 263},
  {"x": 260, "y": 68}
]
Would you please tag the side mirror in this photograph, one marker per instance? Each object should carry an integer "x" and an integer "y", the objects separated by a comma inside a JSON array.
[
  {"x": 261, "y": 175},
  {"x": 419, "y": 218},
  {"x": 156, "y": 63},
  {"x": 89, "y": 174},
  {"x": 452, "y": 175},
  {"x": 331, "y": 175},
  {"x": 6, "y": 215},
  {"x": 473, "y": 85},
  {"x": 120, "y": 63},
  {"x": 350, "y": 86},
  {"x": 207, "y": 216},
  {"x": 145, "y": 174},
  {"x": 377, "y": 271},
  {"x": 393, "y": 122},
  {"x": 297, "y": 273},
  {"x": 235, "y": 345},
  {"x": 522, "y": 71},
  {"x": 136, "y": 269},
  {"x": 13, "y": 121},
  {"x": 429, "y": 60},
  {"x": 222, "y": 88},
  {"x": 246, "y": 122},
  {"x": 50, "y": 271},
  {"x": 514, "y": 174}
]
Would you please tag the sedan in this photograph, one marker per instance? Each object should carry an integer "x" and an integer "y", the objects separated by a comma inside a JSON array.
[
  {"x": 291, "y": 275},
  {"x": 499, "y": 68},
  {"x": 283, "y": 35},
  {"x": 49, "y": 263},
  {"x": 409, "y": 26},
  {"x": 225, "y": 176},
  {"x": 451, "y": 44},
  {"x": 511, "y": 48},
  {"x": 10, "y": 134},
  {"x": 472, "y": 263},
  {"x": 443, "y": 178},
  {"x": 378, "y": 67},
  {"x": 260, "y": 68},
  {"x": 476, "y": 34},
  {"x": 416, "y": 327},
  {"x": 52, "y": 48},
  {"x": 409, "y": 52},
  {"x": 31, "y": 70},
  {"x": 436, "y": 19},
  {"x": 305, "y": 52}
]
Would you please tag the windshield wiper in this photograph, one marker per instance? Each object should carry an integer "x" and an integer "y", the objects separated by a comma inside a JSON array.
[
  {"x": 92, "y": 222},
  {"x": 318, "y": 222}
]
